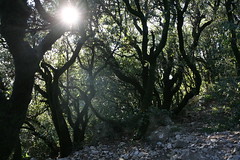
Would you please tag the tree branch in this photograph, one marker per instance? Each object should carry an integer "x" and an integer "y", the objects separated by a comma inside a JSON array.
[{"x": 42, "y": 12}]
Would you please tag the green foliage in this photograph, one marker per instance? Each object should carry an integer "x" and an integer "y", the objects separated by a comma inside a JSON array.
[
  {"x": 32, "y": 146},
  {"x": 6, "y": 71},
  {"x": 224, "y": 100}
]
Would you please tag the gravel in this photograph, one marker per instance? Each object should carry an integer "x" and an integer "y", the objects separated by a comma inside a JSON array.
[{"x": 181, "y": 145}]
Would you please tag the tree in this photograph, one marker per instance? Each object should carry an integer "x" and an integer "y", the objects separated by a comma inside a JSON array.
[
  {"x": 146, "y": 51},
  {"x": 163, "y": 74},
  {"x": 51, "y": 77},
  {"x": 14, "y": 25},
  {"x": 190, "y": 62},
  {"x": 233, "y": 20}
]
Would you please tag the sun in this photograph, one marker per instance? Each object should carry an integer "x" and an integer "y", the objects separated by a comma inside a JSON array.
[{"x": 70, "y": 15}]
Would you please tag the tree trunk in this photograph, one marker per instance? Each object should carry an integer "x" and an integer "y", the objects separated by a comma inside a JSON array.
[
  {"x": 232, "y": 29},
  {"x": 190, "y": 63},
  {"x": 14, "y": 16},
  {"x": 18, "y": 151},
  {"x": 147, "y": 100},
  {"x": 59, "y": 121},
  {"x": 13, "y": 112}
]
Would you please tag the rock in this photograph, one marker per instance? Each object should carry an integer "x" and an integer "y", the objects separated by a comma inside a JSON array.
[
  {"x": 162, "y": 134},
  {"x": 236, "y": 150},
  {"x": 178, "y": 136},
  {"x": 229, "y": 145},
  {"x": 121, "y": 144},
  {"x": 213, "y": 140},
  {"x": 153, "y": 153},
  {"x": 175, "y": 146},
  {"x": 94, "y": 152},
  {"x": 135, "y": 153},
  {"x": 234, "y": 157},
  {"x": 169, "y": 146},
  {"x": 180, "y": 144},
  {"x": 125, "y": 156},
  {"x": 92, "y": 148},
  {"x": 63, "y": 159},
  {"x": 141, "y": 154},
  {"x": 160, "y": 144},
  {"x": 192, "y": 155},
  {"x": 105, "y": 152}
]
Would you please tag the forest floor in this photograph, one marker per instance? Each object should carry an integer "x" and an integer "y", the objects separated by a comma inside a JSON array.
[{"x": 194, "y": 136}]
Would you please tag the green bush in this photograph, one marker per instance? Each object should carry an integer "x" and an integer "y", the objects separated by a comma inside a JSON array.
[{"x": 226, "y": 109}]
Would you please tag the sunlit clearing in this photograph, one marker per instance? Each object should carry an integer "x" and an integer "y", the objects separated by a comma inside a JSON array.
[{"x": 70, "y": 15}]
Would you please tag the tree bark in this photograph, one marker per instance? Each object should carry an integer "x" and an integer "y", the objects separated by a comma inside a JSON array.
[
  {"x": 58, "y": 119},
  {"x": 13, "y": 111},
  {"x": 14, "y": 15},
  {"x": 53, "y": 96},
  {"x": 18, "y": 151},
  {"x": 189, "y": 62}
]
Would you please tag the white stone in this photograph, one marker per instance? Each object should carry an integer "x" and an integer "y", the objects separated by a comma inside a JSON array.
[
  {"x": 169, "y": 146},
  {"x": 92, "y": 148},
  {"x": 160, "y": 136},
  {"x": 94, "y": 152},
  {"x": 177, "y": 136}
]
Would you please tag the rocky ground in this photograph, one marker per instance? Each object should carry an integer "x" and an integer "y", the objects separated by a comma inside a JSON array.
[
  {"x": 183, "y": 140},
  {"x": 180, "y": 145}
]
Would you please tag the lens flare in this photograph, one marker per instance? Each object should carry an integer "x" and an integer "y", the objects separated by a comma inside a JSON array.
[{"x": 70, "y": 15}]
